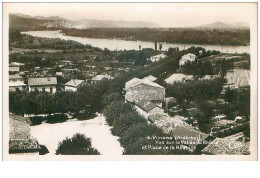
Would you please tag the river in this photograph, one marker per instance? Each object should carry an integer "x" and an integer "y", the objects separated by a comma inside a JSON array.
[
  {"x": 117, "y": 44},
  {"x": 96, "y": 129}
]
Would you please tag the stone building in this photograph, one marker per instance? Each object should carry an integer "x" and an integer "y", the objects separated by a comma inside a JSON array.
[
  {"x": 20, "y": 139},
  {"x": 139, "y": 89}
]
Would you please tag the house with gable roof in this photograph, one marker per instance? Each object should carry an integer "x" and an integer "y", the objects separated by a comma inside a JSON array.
[
  {"x": 139, "y": 89},
  {"x": 187, "y": 58},
  {"x": 48, "y": 84},
  {"x": 146, "y": 95},
  {"x": 73, "y": 85},
  {"x": 146, "y": 107}
]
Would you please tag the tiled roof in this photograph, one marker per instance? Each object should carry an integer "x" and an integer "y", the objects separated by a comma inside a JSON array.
[
  {"x": 23, "y": 145},
  {"x": 16, "y": 76},
  {"x": 13, "y": 69},
  {"x": 191, "y": 136},
  {"x": 221, "y": 146},
  {"x": 188, "y": 56},
  {"x": 19, "y": 127},
  {"x": 165, "y": 121},
  {"x": 42, "y": 81},
  {"x": 150, "y": 78},
  {"x": 102, "y": 76},
  {"x": 20, "y": 140},
  {"x": 137, "y": 81},
  {"x": 188, "y": 131},
  {"x": 239, "y": 77},
  {"x": 178, "y": 78},
  {"x": 209, "y": 77},
  {"x": 74, "y": 83},
  {"x": 146, "y": 105}
]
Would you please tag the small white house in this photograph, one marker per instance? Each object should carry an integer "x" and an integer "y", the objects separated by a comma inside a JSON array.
[
  {"x": 157, "y": 57},
  {"x": 16, "y": 83},
  {"x": 178, "y": 78},
  {"x": 73, "y": 85},
  {"x": 187, "y": 58},
  {"x": 100, "y": 77},
  {"x": 59, "y": 74}
]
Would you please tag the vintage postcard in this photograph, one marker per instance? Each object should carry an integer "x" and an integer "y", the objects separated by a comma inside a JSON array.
[{"x": 130, "y": 81}]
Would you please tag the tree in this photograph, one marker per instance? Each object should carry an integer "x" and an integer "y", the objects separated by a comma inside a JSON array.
[
  {"x": 79, "y": 144},
  {"x": 229, "y": 95},
  {"x": 113, "y": 111},
  {"x": 204, "y": 116},
  {"x": 247, "y": 130},
  {"x": 122, "y": 123},
  {"x": 155, "y": 46},
  {"x": 140, "y": 60},
  {"x": 138, "y": 131},
  {"x": 160, "y": 46},
  {"x": 97, "y": 59},
  {"x": 109, "y": 98}
]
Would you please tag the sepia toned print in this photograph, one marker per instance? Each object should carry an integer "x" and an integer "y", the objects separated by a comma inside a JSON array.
[{"x": 107, "y": 84}]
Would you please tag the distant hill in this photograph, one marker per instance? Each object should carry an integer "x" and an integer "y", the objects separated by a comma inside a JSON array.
[
  {"x": 92, "y": 23},
  {"x": 49, "y": 18},
  {"x": 25, "y": 22},
  {"x": 21, "y": 21},
  {"x": 221, "y": 25}
]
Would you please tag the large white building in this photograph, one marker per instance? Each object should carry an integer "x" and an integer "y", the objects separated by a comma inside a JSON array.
[
  {"x": 73, "y": 85},
  {"x": 48, "y": 84},
  {"x": 187, "y": 58}
]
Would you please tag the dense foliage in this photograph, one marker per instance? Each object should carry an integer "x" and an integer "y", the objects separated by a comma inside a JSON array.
[
  {"x": 173, "y": 35},
  {"x": 192, "y": 90},
  {"x": 87, "y": 99},
  {"x": 139, "y": 57},
  {"x": 133, "y": 131},
  {"x": 79, "y": 144},
  {"x": 238, "y": 103},
  {"x": 55, "y": 118}
]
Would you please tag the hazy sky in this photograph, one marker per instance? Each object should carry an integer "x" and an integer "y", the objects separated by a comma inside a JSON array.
[{"x": 165, "y": 14}]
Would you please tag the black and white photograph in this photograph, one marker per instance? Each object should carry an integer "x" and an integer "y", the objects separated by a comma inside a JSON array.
[{"x": 130, "y": 81}]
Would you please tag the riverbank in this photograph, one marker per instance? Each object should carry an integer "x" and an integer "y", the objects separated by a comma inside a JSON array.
[{"x": 116, "y": 44}]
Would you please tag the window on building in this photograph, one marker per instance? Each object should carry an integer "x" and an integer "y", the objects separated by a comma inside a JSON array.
[
  {"x": 43, "y": 89},
  {"x": 51, "y": 89},
  {"x": 17, "y": 89}
]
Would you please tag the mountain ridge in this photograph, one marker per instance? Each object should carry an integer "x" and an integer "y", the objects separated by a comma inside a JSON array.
[{"x": 85, "y": 23}]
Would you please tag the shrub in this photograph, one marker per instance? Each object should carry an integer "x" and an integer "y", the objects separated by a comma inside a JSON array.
[
  {"x": 57, "y": 118},
  {"x": 85, "y": 116},
  {"x": 79, "y": 144}
]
